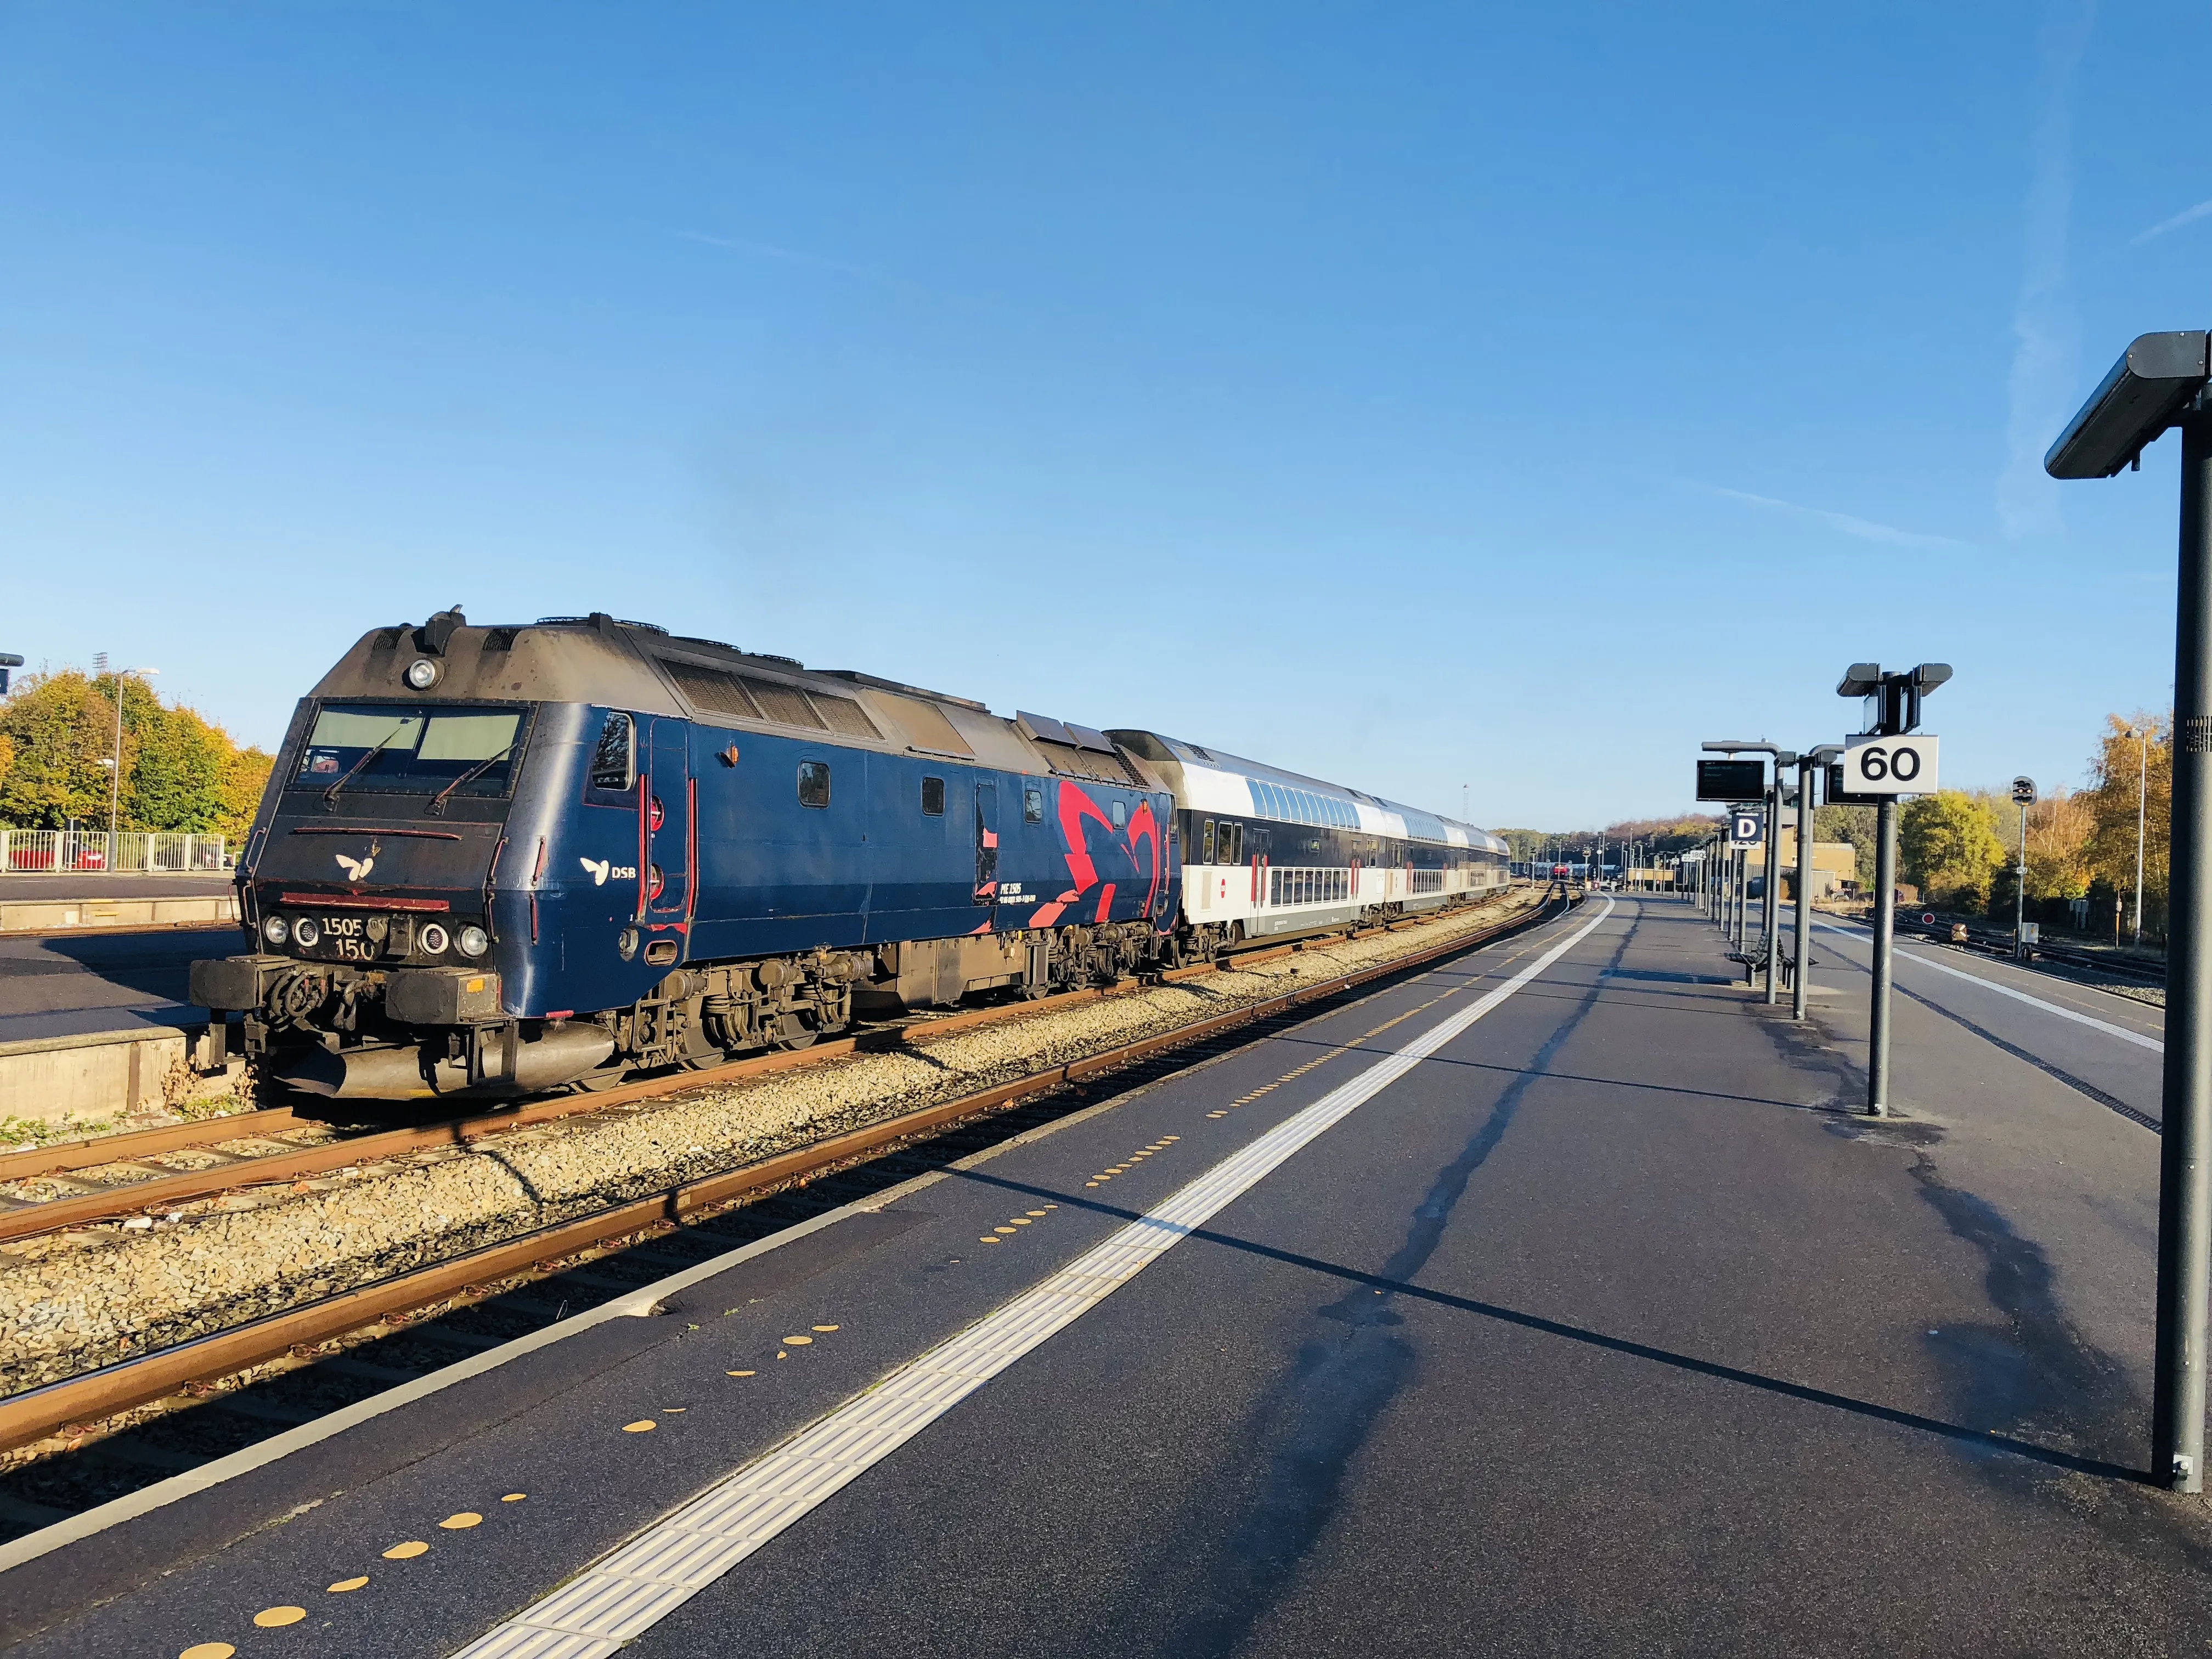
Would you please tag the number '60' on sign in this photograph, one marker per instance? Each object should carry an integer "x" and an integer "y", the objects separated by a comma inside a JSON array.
[{"x": 1890, "y": 766}]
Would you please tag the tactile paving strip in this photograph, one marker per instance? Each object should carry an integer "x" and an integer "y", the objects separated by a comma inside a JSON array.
[{"x": 627, "y": 1592}]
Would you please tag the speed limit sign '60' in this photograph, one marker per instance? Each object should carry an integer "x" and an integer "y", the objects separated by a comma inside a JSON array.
[{"x": 1890, "y": 766}]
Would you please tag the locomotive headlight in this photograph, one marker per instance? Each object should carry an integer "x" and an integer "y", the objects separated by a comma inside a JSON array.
[
  {"x": 276, "y": 930},
  {"x": 474, "y": 941},
  {"x": 433, "y": 939},
  {"x": 422, "y": 673},
  {"x": 306, "y": 931}
]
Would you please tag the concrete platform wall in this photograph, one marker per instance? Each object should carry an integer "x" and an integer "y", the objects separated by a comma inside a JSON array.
[
  {"x": 54, "y": 915},
  {"x": 105, "y": 1075}
]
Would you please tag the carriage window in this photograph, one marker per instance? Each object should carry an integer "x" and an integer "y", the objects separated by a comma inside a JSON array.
[
  {"x": 1033, "y": 806},
  {"x": 933, "y": 797},
  {"x": 611, "y": 760},
  {"x": 1232, "y": 845},
  {"x": 1207, "y": 856},
  {"x": 1121, "y": 814},
  {"x": 814, "y": 783}
]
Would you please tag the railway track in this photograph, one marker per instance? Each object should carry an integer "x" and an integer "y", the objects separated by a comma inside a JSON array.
[
  {"x": 291, "y": 1367},
  {"x": 113, "y": 1176},
  {"x": 1998, "y": 942}
]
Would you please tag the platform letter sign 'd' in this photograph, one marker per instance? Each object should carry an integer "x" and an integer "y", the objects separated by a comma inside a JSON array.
[
  {"x": 1744, "y": 828},
  {"x": 1890, "y": 766}
]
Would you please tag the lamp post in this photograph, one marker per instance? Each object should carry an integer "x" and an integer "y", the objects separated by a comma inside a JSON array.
[
  {"x": 2142, "y": 791},
  {"x": 1814, "y": 761},
  {"x": 2158, "y": 384},
  {"x": 1892, "y": 708},
  {"x": 115, "y": 781}
]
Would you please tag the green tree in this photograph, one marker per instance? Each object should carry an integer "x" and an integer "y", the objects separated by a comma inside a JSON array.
[
  {"x": 1855, "y": 825},
  {"x": 180, "y": 771},
  {"x": 1948, "y": 844},
  {"x": 59, "y": 729}
]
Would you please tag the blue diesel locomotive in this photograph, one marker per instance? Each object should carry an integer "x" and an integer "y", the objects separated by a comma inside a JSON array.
[{"x": 496, "y": 861}]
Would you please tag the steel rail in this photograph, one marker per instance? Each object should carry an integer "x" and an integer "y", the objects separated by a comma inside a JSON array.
[
  {"x": 38, "y": 1411},
  {"x": 28, "y": 1219}
]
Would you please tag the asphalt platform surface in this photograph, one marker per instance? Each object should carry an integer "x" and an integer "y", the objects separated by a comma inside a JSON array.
[
  {"x": 1608, "y": 1328},
  {"x": 100, "y": 979}
]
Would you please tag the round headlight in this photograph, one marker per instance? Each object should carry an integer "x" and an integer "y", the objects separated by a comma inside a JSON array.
[
  {"x": 475, "y": 941},
  {"x": 421, "y": 673},
  {"x": 433, "y": 938},
  {"x": 306, "y": 931},
  {"x": 276, "y": 930}
]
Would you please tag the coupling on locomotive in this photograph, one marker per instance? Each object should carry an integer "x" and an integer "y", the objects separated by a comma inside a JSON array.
[{"x": 493, "y": 860}]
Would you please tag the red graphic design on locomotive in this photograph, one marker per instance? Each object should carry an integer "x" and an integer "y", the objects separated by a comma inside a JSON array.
[{"x": 1074, "y": 807}]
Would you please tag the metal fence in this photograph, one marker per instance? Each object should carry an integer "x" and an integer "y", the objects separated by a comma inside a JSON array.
[{"x": 133, "y": 851}]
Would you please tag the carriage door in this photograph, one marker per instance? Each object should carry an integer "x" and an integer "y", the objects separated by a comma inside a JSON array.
[
  {"x": 666, "y": 870},
  {"x": 986, "y": 844}
]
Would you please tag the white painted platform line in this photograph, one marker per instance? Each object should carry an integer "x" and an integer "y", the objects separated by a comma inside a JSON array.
[
  {"x": 627, "y": 1592},
  {"x": 2105, "y": 1026}
]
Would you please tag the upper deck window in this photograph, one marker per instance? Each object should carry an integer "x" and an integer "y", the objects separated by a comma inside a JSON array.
[{"x": 391, "y": 748}]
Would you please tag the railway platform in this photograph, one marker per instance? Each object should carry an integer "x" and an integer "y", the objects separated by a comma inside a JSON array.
[{"x": 1554, "y": 1298}]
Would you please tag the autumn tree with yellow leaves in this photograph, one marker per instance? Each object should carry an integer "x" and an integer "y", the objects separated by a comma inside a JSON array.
[{"x": 180, "y": 770}]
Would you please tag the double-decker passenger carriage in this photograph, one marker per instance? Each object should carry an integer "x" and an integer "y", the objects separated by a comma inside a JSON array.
[
  {"x": 498, "y": 860},
  {"x": 1269, "y": 852}
]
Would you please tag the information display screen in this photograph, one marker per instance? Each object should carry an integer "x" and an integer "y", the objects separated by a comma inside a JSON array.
[{"x": 1731, "y": 780}]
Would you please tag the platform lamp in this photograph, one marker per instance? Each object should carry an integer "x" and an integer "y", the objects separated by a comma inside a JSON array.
[
  {"x": 1812, "y": 762},
  {"x": 8, "y": 660},
  {"x": 2158, "y": 384},
  {"x": 115, "y": 766}
]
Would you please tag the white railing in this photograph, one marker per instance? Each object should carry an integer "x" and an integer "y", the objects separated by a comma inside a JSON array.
[{"x": 30, "y": 852}]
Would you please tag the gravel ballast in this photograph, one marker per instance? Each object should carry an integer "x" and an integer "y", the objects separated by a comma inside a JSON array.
[{"x": 75, "y": 1302}]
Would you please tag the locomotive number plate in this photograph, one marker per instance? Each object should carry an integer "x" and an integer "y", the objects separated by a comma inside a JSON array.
[{"x": 345, "y": 939}]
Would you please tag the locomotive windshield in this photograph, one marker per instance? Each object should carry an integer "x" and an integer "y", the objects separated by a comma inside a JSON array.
[{"x": 389, "y": 748}]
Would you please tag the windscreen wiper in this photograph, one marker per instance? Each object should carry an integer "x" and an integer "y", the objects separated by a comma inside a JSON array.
[
  {"x": 331, "y": 794},
  {"x": 437, "y": 807}
]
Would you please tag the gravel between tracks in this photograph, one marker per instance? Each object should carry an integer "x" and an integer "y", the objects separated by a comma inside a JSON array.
[{"x": 75, "y": 1302}]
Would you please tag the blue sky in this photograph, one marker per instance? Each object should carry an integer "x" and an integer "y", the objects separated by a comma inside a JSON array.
[{"x": 1415, "y": 396}]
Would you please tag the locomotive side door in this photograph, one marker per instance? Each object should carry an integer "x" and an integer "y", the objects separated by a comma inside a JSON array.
[
  {"x": 665, "y": 866},
  {"x": 986, "y": 850}
]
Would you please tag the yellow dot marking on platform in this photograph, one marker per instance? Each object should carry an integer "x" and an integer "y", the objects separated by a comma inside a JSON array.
[
  {"x": 408, "y": 1550},
  {"x": 986, "y": 1239},
  {"x": 797, "y": 1341},
  {"x": 1037, "y": 1212},
  {"x": 277, "y": 1618},
  {"x": 1217, "y": 1114},
  {"x": 825, "y": 1328},
  {"x": 1021, "y": 1221},
  {"x": 1090, "y": 1183},
  {"x": 643, "y": 1425},
  {"x": 462, "y": 1522},
  {"x": 741, "y": 1373},
  {"x": 1171, "y": 1139},
  {"x": 208, "y": 1650},
  {"x": 1002, "y": 1230},
  {"x": 345, "y": 1584},
  {"x": 514, "y": 1498},
  {"x": 676, "y": 1411}
]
